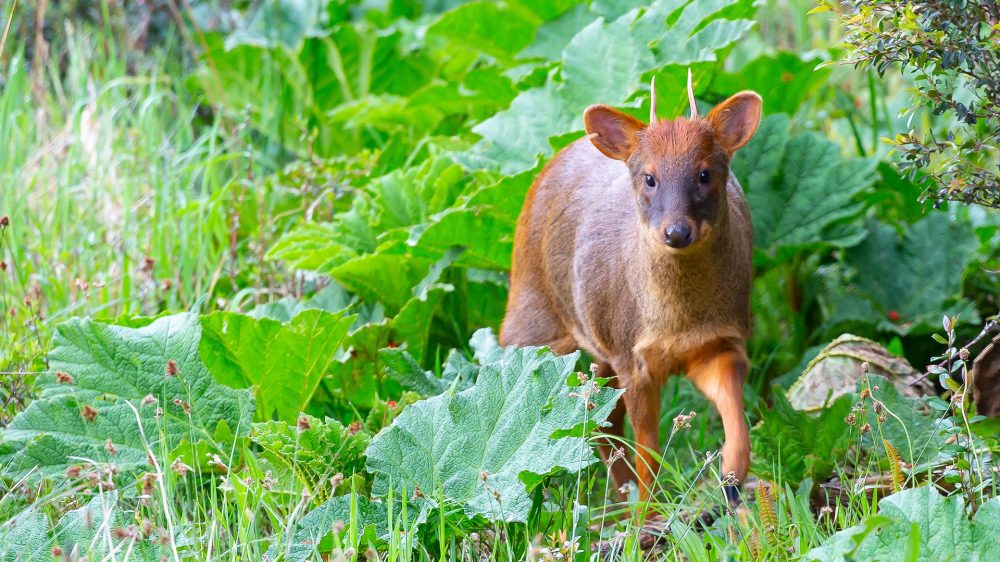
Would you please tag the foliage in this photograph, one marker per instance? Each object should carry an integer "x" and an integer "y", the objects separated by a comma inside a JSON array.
[
  {"x": 118, "y": 393},
  {"x": 791, "y": 445},
  {"x": 951, "y": 52},
  {"x": 282, "y": 362},
  {"x": 918, "y": 524},
  {"x": 486, "y": 447}
]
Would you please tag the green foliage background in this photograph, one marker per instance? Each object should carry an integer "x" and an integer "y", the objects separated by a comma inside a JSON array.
[{"x": 264, "y": 250}]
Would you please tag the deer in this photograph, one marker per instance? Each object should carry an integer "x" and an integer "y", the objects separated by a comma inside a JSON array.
[{"x": 635, "y": 244}]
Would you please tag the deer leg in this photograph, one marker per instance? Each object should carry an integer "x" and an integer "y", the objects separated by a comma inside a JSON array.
[
  {"x": 642, "y": 401},
  {"x": 719, "y": 376}
]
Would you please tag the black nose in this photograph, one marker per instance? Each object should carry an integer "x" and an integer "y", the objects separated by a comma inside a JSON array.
[{"x": 678, "y": 235}]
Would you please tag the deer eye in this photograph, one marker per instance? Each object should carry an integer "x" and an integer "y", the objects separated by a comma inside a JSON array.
[
  {"x": 650, "y": 181},
  {"x": 704, "y": 176}
]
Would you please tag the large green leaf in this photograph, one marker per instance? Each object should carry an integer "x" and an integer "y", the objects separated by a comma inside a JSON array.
[
  {"x": 282, "y": 362},
  {"x": 25, "y": 537},
  {"x": 111, "y": 365},
  {"x": 799, "y": 187},
  {"x": 790, "y": 445},
  {"x": 918, "y": 524},
  {"x": 313, "y": 451},
  {"x": 625, "y": 49},
  {"x": 362, "y": 522},
  {"x": 905, "y": 283},
  {"x": 487, "y": 446}
]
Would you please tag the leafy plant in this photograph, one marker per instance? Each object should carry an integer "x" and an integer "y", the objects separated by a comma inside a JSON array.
[
  {"x": 282, "y": 362},
  {"x": 100, "y": 373},
  {"x": 790, "y": 445},
  {"x": 918, "y": 524},
  {"x": 950, "y": 50},
  {"x": 486, "y": 447}
]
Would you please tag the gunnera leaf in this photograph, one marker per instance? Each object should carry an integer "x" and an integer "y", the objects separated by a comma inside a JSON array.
[
  {"x": 313, "y": 450},
  {"x": 97, "y": 369},
  {"x": 486, "y": 447},
  {"x": 918, "y": 524},
  {"x": 459, "y": 372},
  {"x": 282, "y": 361},
  {"x": 353, "y": 514},
  {"x": 791, "y": 445}
]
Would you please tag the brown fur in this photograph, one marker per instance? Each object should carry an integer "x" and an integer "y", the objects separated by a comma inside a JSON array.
[{"x": 591, "y": 270}]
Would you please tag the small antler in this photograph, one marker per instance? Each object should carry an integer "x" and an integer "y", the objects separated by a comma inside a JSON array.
[
  {"x": 652, "y": 101},
  {"x": 694, "y": 105}
]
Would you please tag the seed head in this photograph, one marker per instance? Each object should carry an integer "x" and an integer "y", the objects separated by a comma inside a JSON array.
[
  {"x": 963, "y": 354},
  {"x": 171, "y": 369},
  {"x": 4, "y": 221},
  {"x": 62, "y": 377},
  {"x": 3, "y": 265},
  {"x": 866, "y": 428},
  {"x": 110, "y": 447},
  {"x": 850, "y": 419},
  {"x": 303, "y": 423},
  {"x": 148, "y": 400},
  {"x": 56, "y": 551},
  {"x": 337, "y": 479},
  {"x": 183, "y": 405},
  {"x": 89, "y": 413},
  {"x": 179, "y": 468},
  {"x": 354, "y": 428},
  {"x": 338, "y": 526}
]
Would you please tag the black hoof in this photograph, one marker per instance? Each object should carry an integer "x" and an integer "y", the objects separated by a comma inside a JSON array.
[{"x": 732, "y": 495}]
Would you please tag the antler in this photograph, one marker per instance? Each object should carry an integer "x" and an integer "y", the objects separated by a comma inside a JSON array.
[
  {"x": 694, "y": 105},
  {"x": 652, "y": 101}
]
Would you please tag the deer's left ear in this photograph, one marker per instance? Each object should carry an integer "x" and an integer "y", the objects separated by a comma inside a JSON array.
[{"x": 735, "y": 120}]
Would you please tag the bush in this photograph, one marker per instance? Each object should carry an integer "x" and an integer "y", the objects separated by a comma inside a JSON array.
[{"x": 951, "y": 51}]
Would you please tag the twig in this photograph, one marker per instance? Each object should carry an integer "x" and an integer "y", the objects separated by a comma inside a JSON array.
[{"x": 990, "y": 327}]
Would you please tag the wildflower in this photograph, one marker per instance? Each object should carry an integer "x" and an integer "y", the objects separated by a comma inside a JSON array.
[
  {"x": 56, "y": 551},
  {"x": 148, "y": 483},
  {"x": 3, "y": 266},
  {"x": 484, "y": 475},
  {"x": 850, "y": 419},
  {"x": 354, "y": 428},
  {"x": 147, "y": 264},
  {"x": 683, "y": 421},
  {"x": 865, "y": 393},
  {"x": 825, "y": 510},
  {"x": 866, "y": 428},
  {"x": 110, "y": 447},
  {"x": 171, "y": 369},
  {"x": 148, "y": 400},
  {"x": 417, "y": 494},
  {"x": 4, "y": 221},
  {"x": 337, "y": 479},
  {"x": 183, "y": 405},
  {"x": 963, "y": 354},
  {"x": 63, "y": 377},
  {"x": 73, "y": 471},
  {"x": 159, "y": 413},
  {"x": 269, "y": 481},
  {"x": 338, "y": 526},
  {"x": 731, "y": 479},
  {"x": 303, "y": 423},
  {"x": 391, "y": 404},
  {"x": 179, "y": 468},
  {"x": 89, "y": 413}
]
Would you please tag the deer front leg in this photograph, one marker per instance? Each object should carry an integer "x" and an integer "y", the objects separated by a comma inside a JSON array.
[
  {"x": 642, "y": 402},
  {"x": 719, "y": 375}
]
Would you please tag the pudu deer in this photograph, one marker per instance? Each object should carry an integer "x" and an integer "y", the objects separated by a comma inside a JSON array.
[{"x": 635, "y": 244}]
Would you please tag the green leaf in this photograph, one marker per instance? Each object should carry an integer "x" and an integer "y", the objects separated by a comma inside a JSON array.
[
  {"x": 495, "y": 440},
  {"x": 798, "y": 188},
  {"x": 911, "y": 426},
  {"x": 111, "y": 365},
  {"x": 918, "y": 275},
  {"x": 363, "y": 523},
  {"x": 314, "y": 453},
  {"x": 282, "y": 362},
  {"x": 87, "y": 531},
  {"x": 459, "y": 373},
  {"x": 25, "y": 537},
  {"x": 790, "y": 445},
  {"x": 473, "y": 25},
  {"x": 936, "y": 526}
]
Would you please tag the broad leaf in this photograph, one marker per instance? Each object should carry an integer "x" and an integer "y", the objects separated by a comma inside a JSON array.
[
  {"x": 903, "y": 283},
  {"x": 25, "y": 537},
  {"x": 313, "y": 453},
  {"x": 361, "y": 522},
  {"x": 111, "y": 365},
  {"x": 799, "y": 187},
  {"x": 790, "y": 445},
  {"x": 282, "y": 362},
  {"x": 919, "y": 524},
  {"x": 487, "y": 446}
]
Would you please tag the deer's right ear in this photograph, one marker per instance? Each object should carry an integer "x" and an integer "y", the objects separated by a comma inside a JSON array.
[{"x": 611, "y": 131}]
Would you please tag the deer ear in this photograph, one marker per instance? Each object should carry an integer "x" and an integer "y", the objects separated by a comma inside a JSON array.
[
  {"x": 611, "y": 131},
  {"x": 735, "y": 120}
]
